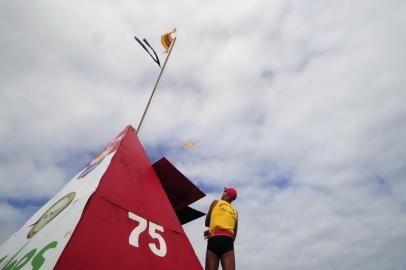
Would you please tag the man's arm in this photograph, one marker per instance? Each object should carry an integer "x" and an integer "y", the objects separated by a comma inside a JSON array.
[
  {"x": 207, "y": 221},
  {"x": 235, "y": 229}
]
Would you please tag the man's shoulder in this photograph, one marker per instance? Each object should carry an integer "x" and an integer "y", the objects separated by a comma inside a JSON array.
[{"x": 214, "y": 203}]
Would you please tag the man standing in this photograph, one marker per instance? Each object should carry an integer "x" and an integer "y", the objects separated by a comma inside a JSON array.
[{"x": 222, "y": 220}]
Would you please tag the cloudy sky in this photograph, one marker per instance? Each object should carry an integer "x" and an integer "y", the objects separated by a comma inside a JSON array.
[{"x": 301, "y": 105}]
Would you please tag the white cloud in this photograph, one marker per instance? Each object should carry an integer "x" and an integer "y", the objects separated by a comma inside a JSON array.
[{"x": 309, "y": 93}]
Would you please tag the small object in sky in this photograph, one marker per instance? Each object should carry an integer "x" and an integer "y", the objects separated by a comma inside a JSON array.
[{"x": 189, "y": 144}]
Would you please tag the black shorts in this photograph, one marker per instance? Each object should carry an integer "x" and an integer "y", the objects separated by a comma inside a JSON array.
[{"x": 220, "y": 244}]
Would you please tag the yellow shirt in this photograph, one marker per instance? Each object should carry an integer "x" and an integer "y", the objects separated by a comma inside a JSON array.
[{"x": 223, "y": 217}]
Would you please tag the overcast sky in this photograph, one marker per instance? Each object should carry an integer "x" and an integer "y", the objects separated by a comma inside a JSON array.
[{"x": 300, "y": 105}]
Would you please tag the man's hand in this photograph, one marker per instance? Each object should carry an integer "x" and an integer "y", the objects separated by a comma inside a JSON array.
[{"x": 206, "y": 234}]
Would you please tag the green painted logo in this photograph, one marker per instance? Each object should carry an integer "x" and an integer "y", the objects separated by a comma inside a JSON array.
[{"x": 37, "y": 259}]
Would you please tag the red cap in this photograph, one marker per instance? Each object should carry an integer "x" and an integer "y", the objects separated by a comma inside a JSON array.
[{"x": 232, "y": 192}]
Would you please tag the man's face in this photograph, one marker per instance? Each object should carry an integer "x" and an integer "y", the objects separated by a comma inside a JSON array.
[{"x": 224, "y": 195}]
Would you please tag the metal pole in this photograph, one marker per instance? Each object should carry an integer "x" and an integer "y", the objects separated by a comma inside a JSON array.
[{"x": 156, "y": 84}]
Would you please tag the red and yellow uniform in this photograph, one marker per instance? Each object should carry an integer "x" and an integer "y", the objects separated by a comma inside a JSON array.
[{"x": 223, "y": 219}]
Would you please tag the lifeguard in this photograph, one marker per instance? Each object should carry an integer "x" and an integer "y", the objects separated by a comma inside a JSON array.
[{"x": 222, "y": 220}]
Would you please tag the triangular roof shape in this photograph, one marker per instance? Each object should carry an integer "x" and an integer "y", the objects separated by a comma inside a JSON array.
[{"x": 115, "y": 214}]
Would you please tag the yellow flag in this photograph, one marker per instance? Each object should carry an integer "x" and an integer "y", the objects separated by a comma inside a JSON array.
[{"x": 167, "y": 39}]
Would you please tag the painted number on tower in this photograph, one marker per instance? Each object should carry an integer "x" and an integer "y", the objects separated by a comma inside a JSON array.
[{"x": 153, "y": 230}]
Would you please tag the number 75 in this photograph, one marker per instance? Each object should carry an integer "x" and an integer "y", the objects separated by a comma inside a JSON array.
[{"x": 153, "y": 231}]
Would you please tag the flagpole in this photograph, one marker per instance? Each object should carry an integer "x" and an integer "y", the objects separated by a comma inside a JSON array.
[{"x": 155, "y": 86}]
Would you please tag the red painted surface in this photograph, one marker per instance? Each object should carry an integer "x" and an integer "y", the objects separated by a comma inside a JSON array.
[
  {"x": 180, "y": 190},
  {"x": 101, "y": 239}
]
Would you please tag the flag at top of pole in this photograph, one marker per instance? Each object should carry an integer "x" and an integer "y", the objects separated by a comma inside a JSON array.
[
  {"x": 167, "y": 39},
  {"x": 168, "y": 42}
]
